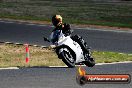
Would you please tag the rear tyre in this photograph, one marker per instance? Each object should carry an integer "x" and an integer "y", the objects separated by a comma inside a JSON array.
[
  {"x": 90, "y": 62},
  {"x": 68, "y": 57}
]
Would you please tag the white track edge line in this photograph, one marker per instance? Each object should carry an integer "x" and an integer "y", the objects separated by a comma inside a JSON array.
[
  {"x": 67, "y": 66},
  {"x": 114, "y": 63},
  {"x": 9, "y": 68},
  {"x": 97, "y": 64}
]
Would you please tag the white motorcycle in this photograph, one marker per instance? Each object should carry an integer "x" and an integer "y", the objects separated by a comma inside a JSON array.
[{"x": 69, "y": 50}]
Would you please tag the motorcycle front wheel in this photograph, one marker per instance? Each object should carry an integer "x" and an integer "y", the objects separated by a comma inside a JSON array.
[{"x": 68, "y": 57}]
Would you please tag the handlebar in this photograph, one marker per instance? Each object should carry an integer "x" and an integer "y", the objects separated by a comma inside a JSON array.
[{"x": 46, "y": 39}]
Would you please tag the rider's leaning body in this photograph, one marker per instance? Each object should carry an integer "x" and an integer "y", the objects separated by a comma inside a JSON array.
[
  {"x": 66, "y": 30},
  {"x": 59, "y": 26}
]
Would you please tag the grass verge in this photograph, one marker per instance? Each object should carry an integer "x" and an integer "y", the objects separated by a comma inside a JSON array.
[
  {"x": 14, "y": 55},
  {"x": 97, "y": 12}
]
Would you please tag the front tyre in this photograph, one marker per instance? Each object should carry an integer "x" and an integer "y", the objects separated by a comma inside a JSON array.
[{"x": 68, "y": 57}]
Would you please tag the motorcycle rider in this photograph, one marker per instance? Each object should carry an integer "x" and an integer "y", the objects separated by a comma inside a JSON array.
[
  {"x": 66, "y": 30},
  {"x": 59, "y": 25}
]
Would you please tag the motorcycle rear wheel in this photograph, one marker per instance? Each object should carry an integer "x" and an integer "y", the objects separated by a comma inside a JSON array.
[{"x": 90, "y": 62}]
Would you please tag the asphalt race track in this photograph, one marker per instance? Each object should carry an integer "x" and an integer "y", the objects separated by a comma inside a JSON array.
[
  {"x": 55, "y": 77},
  {"x": 46, "y": 77},
  {"x": 97, "y": 39}
]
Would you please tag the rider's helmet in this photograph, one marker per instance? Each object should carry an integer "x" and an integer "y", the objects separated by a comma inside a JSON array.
[{"x": 56, "y": 20}]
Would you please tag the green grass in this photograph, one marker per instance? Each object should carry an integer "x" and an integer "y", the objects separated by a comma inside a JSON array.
[
  {"x": 108, "y": 57},
  {"x": 73, "y": 11},
  {"x": 14, "y": 55}
]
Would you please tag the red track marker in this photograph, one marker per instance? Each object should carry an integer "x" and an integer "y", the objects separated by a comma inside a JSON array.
[{"x": 27, "y": 52}]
